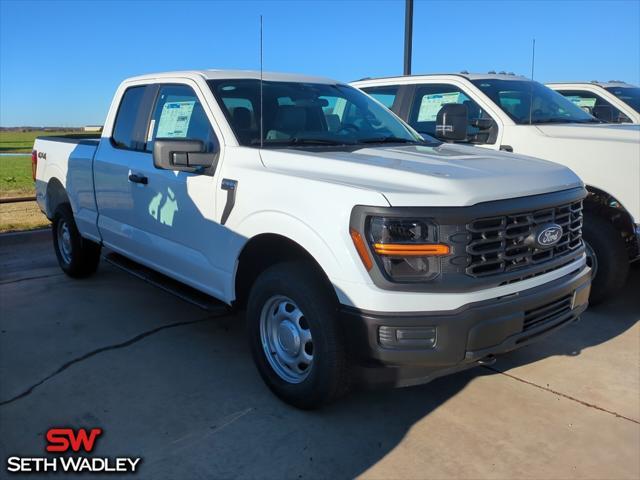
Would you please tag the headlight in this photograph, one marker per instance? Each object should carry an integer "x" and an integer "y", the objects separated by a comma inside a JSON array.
[{"x": 405, "y": 249}]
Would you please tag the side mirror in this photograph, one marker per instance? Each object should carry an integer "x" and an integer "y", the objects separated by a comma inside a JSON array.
[
  {"x": 483, "y": 123},
  {"x": 622, "y": 118},
  {"x": 603, "y": 112},
  {"x": 183, "y": 155},
  {"x": 452, "y": 121}
]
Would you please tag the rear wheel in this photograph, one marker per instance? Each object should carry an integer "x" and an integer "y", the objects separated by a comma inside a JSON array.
[
  {"x": 295, "y": 336},
  {"x": 77, "y": 256},
  {"x": 607, "y": 257}
]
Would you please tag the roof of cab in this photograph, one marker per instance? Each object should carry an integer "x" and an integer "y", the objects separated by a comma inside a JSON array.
[
  {"x": 470, "y": 76},
  {"x": 237, "y": 74},
  {"x": 610, "y": 83}
]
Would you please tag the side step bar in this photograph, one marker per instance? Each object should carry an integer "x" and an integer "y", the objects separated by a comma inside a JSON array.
[{"x": 180, "y": 290}]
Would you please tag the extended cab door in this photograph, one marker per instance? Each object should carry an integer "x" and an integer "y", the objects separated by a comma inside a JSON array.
[
  {"x": 169, "y": 217},
  {"x": 112, "y": 166}
]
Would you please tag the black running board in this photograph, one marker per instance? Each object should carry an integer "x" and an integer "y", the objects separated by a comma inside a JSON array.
[{"x": 174, "y": 287}]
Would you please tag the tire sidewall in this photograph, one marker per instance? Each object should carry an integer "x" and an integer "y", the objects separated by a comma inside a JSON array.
[
  {"x": 319, "y": 311},
  {"x": 611, "y": 256},
  {"x": 64, "y": 214}
]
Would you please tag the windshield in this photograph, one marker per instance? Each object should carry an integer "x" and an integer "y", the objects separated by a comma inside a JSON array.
[
  {"x": 301, "y": 114},
  {"x": 629, "y": 95},
  {"x": 528, "y": 102}
]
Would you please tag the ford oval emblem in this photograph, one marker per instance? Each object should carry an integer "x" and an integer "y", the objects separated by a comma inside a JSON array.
[{"x": 549, "y": 235}]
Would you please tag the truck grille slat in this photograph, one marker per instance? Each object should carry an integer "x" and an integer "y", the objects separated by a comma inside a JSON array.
[{"x": 497, "y": 244}]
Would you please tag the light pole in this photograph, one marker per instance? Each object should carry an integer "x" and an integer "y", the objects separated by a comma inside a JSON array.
[{"x": 408, "y": 35}]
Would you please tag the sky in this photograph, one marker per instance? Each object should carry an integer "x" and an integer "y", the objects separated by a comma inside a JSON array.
[{"x": 61, "y": 61}]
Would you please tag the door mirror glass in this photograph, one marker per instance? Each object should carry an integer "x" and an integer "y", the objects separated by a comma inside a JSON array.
[
  {"x": 452, "y": 121},
  {"x": 183, "y": 155}
]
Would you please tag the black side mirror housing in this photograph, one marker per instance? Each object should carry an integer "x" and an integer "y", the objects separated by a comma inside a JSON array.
[
  {"x": 483, "y": 123},
  {"x": 183, "y": 155},
  {"x": 452, "y": 121},
  {"x": 603, "y": 112}
]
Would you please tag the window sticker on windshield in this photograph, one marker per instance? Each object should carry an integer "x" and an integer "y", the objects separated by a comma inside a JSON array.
[
  {"x": 431, "y": 105},
  {"x": 174, "y": 119},
  {"x": 582, "y": 102}
]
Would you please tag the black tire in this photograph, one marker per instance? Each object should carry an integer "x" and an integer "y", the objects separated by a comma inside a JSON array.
[
  {"x": 327, "y": 378},
  {"x": 611, "y": 260},
  {"x": 77, "y": 256}
]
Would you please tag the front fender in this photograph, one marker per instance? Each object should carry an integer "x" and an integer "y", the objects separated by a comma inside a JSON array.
[{"x": 293, "y": 228}]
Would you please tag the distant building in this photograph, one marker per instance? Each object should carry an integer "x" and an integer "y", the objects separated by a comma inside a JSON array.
[{"x": 92, "y": 128}]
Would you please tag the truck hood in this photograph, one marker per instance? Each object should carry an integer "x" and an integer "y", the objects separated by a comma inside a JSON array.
[
  {"x": 417, "y": 175},
  {"x": 595, "y": 132}
]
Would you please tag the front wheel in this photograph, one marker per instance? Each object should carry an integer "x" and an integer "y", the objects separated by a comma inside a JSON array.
[
  {"x": 77, "y": 256},
  {"x": 295, "y": 336},
  {"x": 607, "y": 257}
]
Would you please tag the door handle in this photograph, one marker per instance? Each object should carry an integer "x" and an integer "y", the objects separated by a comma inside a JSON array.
[{"x": 135, "y": 178}]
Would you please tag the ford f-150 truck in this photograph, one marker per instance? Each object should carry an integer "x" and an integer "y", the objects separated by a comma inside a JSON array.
[
  {"x": 515, "y": 114},
  {"x": 362, "y": 253},
  {"x": 611, "y": 102}
]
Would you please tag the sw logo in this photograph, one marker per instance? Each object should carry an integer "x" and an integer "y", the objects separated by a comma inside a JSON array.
[
  {"x": 61, "y": 439},
  {"x": 67, "y": 440}
]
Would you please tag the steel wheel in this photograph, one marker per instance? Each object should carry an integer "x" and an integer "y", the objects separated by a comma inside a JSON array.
[
  {"x": 64, "y": 241},
  {"x": 286, "y": 339}
]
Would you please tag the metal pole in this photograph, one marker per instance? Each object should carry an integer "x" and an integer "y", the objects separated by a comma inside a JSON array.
[{"x": 408, "y": 35}]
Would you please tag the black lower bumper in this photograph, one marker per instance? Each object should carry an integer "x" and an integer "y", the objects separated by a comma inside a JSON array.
[{"x": 468, "y": 336}]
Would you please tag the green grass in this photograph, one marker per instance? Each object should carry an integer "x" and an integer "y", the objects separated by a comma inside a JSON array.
[
  {"x": 15, "y": 176},
  {"x": 18, "y": 142}
]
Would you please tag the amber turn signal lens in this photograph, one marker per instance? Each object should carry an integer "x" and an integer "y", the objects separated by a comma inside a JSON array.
[
  {"x": 361, "y": 248},
  {"x": 420, "y": 250}
]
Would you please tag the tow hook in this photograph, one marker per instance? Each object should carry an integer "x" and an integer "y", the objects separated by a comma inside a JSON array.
[{"x": 488, "y": 360}]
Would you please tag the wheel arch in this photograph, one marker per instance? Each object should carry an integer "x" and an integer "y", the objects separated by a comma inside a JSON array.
[
  {"x": 603, "y": 204},
  {"x": 56, "y": 195},
  {"x": 261, "y": 252}
]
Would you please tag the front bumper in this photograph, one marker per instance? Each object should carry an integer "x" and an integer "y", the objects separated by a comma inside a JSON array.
[{"x": 465, "y": 337}]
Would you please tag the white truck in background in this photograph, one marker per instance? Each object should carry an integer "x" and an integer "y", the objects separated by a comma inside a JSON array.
[
  {"x": 611, "y": 102},
  {"x": 362, "y": 253},
  {"x": 514, "y": 114}
]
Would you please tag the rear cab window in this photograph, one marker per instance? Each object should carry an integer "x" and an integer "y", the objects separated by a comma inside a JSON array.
[
  {"x": 133, "y": 113},
  {"x": 385, "y": 95}
]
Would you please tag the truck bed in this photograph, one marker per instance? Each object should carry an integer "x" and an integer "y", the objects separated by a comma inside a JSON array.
[
  {"x": 68, "y": 160},
  {"x": 71, "y": 138}
]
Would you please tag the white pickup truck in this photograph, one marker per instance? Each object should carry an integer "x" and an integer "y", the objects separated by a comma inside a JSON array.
[
  {"x": 611, "y": 102},
  {"x": 515, "y": 114},
  {"x": 362, "y": 253}
]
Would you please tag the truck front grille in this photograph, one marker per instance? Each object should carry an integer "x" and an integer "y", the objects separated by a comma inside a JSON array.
[{"x": 497, "y": 244}]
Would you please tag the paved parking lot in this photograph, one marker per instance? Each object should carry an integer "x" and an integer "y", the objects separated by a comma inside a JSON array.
[{"x": 177, "y": 387}]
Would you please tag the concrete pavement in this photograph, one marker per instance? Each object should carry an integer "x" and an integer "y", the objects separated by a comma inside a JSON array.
[{"x": 176, "y": 386}]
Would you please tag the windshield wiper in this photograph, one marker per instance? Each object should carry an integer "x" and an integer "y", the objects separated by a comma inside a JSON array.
[
  {"x": 388, "y": 140},
  {"x": 299, "y": 141},
  {"x": 555, "y": 120}
]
